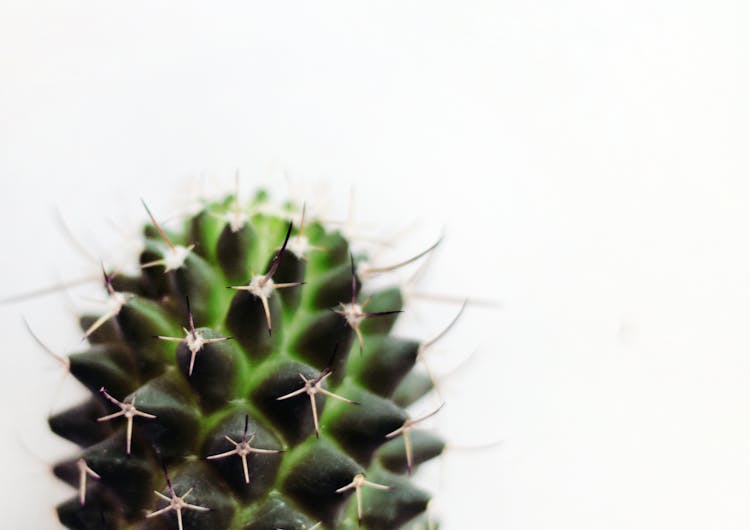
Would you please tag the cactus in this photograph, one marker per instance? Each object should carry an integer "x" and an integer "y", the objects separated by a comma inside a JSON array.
[{"x": 241, "y": 381}]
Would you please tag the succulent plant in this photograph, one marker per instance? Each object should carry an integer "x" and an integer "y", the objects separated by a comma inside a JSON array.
[{"x": 242, "y": 381}]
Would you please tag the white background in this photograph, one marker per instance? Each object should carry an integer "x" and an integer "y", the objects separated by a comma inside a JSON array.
[{"x": 587, "y": 159}]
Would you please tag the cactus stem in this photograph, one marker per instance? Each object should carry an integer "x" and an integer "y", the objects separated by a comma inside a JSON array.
[
  {"x": 242, "y": 449},
  {"x": 176, "y": 503},
  {"x": 404, "y": 431},
  {"x": 84, "y": 471},
  {"x": 128, "y": 410},
  {"x": 312, "y": 387},
  {"x": 145, "y": 341},
  {"x": 357, "y": 482}
]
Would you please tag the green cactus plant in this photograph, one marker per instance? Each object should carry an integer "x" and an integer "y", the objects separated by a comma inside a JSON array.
[{"x": 223, "y": 398}]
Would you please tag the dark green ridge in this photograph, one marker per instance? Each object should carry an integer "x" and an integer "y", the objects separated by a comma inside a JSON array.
[
  {"x": 275, "y": 512},
  {"x": 425, "y": 446},
  {"x": 199, "y": 282},
  {"x": 311, "y": 475},
  {"x": 247, "y": 323},
  {"x": 291, "y": 270},
  {"x": 207, "y": 491},
  {"x": 360, "y": 429},
  {"x": 291, "y": 416},
  {"x": 78, "y": 424},
  {"x": 109, "y": 365},
  {"x": 174, "y": 431},
  {"x": 141, "y": 320},
  {"x": 203, "y": 231},
  {"x": 412, "y": 388},
  {"x": 385, "y": 361},
  {"x": 331, "y": 288},
  {"x": 234, "y": 251},
  {"x": 155, "y": 281},
  {"x": 263, "y": 468},
  {"x": 318, "y": 335},
  {"x": 219, "y": 370},
  {"x": 99, "y": 505},
  {"x": 128, "y": 478},
  {"x": 389, "y": 299}
]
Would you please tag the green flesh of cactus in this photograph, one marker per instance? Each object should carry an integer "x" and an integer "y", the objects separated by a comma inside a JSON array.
[{"x": 231, "y": 394}]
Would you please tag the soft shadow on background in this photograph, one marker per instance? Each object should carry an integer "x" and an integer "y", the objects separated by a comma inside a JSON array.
[{"x": 587, "y": 160}]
